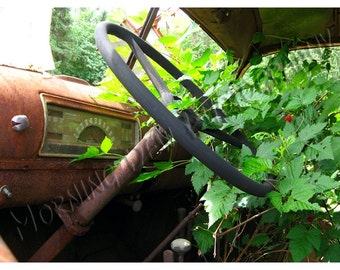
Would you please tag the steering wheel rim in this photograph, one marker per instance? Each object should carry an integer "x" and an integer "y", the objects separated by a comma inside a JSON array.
[{"x": 179, "y": 130}]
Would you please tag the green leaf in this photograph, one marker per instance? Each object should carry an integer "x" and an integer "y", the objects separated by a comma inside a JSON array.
[
  {"x": 336, "y": 148},
  {"x": 297, "y": 232},
  {"x": 202, "y": 234},
  {"x": 294, "y": 168},
  {"x": 168, "y": 40},
  {"x": 296, "y": 147},
  {"x": 186, "y": 57},
  {"x": 293, "y": 205},
  {"x": 211, "y": 77},
  {"x": 320, "y": 80},
  {"x": 287, "y": 184},
  {"x": 300, "y": 249},
  {"x": 314, "y": 237},
  {"x": 293, "y": 104},
  {"x": 311, "y": 153},
  {"x": 270, "y": 217},
  {"x": 267, "y": 150},
  {"x": 298, "y": 245},
  {"x": 324, "y": 182},
  {"x": 308, "y": 96},
  {"x": 300, "y": 79},
  {"x": 245, "y": 151},
  {"x": 255, "y": 59},
  {"x": 260, "y": 239},
  {"x": 275, "y": 198},
  {"x": 146, "y": 176},
  {"x": 294, "y": 196},
  {"x": 330, "y": 105},
  {"x": 288, "y": 130},
  {"x": 324, "y": 149},
  {"x": 202, "y": 60},
  {"x": 310, "y": 131},
  {"x": 161, "y": 166},
  {"x": 250, "y": 96},
  {"x": 235, "y": 121},
  {"x": 106, "y": 145},
  {"x": 258, "y": 37},
  {"x": 250, "y": 114},
  {"x": 302, "y": 241},
  {"x": 336, "y": 128},
  {"x": 302, "y": 191},
  {"x": 200, "y": 174},
  {"x": 332, "y": 254},
  {"x": 255, "y": 165},
  {"x": 91, "y": 152},
  {"x": 164, "y": 165},
  {"x": 219, "y": 200}
]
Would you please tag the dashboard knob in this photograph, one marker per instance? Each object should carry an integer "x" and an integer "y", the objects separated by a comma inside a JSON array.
[{"x": 20, "y": 122}]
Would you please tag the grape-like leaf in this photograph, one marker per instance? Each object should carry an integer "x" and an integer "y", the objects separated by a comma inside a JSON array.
[
  {"x": 91, "y": 152},
  {"x": 106, "y": 145},
  {"x": 219, "y": 200},
  {"x": 200, "y": 174},
  {"x": 310, "y": 131},
  {"x": 255, "y": 165}
]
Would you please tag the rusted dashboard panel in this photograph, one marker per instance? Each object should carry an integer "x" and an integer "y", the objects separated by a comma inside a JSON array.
[{"x": 46, "y": 121}]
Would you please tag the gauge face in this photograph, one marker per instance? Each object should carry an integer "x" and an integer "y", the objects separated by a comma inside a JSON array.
[{"x": 69, "y": 131}]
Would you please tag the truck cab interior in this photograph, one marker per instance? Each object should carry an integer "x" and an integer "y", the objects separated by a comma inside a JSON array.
[{"x": 55, "y": 209}]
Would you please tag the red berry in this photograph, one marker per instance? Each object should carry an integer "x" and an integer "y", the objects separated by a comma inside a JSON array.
[
  {"x": 310, "y": 218},
  {"x": 288, "y": 118}
]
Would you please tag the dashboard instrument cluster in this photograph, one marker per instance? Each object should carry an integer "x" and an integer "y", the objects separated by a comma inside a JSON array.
[{"x": 71, "y": 127}]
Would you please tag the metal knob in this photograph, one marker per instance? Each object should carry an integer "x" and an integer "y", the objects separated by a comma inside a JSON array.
[
  {"x": 180, "y": 246},
  {"x": 5, "y": 190},
  {"x": 20, "y": 122}
]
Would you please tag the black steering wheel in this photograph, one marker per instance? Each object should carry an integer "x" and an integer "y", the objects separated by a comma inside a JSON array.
[{"x": 180, "y": 130}]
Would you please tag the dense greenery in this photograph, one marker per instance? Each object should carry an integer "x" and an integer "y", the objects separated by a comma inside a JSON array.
[
  {"x": 73, "y": 45},
  {"x": 290, "y": 112}
]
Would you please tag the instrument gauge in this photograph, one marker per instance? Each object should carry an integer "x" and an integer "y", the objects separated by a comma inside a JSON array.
[{"x": 69, "y": 131}]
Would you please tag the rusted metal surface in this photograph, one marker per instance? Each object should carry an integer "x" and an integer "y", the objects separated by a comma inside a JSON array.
[
  {"x": 34, "y": 179},
  {"x": 30, "y": 178},
  {"x": 168, "y": 256},
  {"x": 234, "y": 28},
  {"x": 52, "y": 181},
  {"x": 55, "y": 181},
  {"x": 20, "y": 95}
]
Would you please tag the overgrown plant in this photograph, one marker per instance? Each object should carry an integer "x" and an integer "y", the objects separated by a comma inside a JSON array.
[{"x": 291, "y": 115}]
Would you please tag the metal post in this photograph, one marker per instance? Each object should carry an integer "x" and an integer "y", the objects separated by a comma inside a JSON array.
[{"x": 144, "y": 32}]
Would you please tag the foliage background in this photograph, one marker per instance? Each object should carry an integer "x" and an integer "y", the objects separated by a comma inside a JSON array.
[{"x": 73, "y": 45}]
